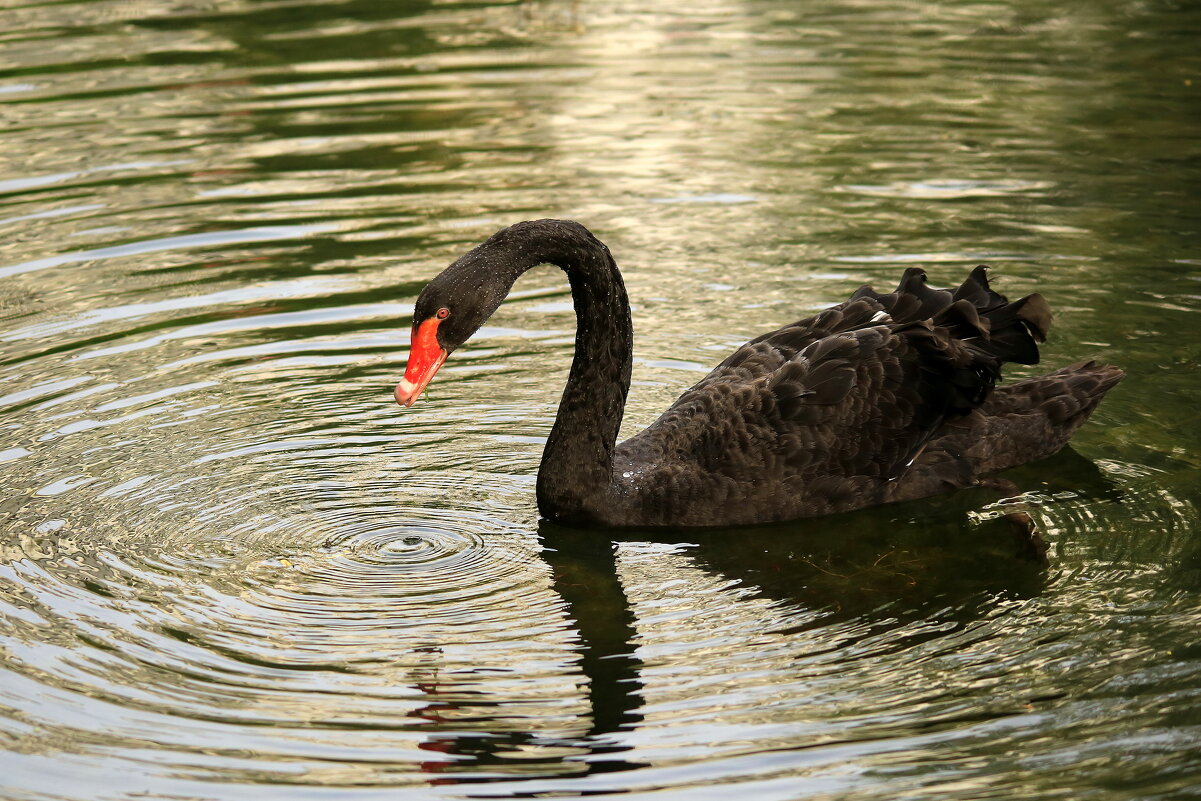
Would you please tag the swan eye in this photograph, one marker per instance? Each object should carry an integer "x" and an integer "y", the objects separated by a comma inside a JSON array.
[{"x": 442, "y": 313}]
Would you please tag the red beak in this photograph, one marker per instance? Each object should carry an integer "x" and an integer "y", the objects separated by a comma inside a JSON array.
[{"x": 425, "y": 357}]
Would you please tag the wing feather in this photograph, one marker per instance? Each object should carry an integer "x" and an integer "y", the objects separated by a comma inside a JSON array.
[{"x": 856, "y": 390}]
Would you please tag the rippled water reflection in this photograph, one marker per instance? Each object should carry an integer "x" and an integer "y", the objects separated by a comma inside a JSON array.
[{"x": 233, "y": 568}]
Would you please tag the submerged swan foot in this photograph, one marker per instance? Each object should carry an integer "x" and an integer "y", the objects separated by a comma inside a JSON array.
[{"x": 1030, "y": 544}]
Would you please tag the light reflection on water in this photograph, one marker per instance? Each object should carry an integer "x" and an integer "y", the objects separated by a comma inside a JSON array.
[{"x": 233, "y": 568}]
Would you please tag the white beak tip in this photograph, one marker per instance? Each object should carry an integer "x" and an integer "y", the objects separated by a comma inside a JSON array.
[{"x": 406, "y": 393}]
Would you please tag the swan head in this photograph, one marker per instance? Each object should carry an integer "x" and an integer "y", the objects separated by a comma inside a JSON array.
[{"x": 450, "y": 309}]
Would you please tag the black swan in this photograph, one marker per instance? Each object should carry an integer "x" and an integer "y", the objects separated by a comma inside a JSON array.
[{"x": 882, "y": 398}]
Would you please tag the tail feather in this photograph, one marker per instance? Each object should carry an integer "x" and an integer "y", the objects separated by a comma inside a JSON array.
[
  {"x": 1066, "y": 397},
  {"x": 1034, "y": 418}
]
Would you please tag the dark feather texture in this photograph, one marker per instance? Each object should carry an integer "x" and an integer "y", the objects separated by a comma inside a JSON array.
[{"x": 881, "y": 398}]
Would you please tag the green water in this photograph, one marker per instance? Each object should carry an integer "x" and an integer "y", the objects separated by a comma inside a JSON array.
[{"x": 232, "y": 568}]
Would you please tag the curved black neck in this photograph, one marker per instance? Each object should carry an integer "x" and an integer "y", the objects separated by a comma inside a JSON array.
[{"x": 577, "y": 464}]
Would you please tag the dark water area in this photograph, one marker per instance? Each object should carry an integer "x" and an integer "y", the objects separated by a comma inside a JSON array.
[{"x": 232, "y": 568}]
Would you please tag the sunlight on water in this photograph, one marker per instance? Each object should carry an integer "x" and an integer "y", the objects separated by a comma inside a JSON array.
[{"x": 231, "y": 567}]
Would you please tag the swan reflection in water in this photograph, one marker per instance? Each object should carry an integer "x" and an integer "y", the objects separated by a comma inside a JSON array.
[{"x": 875, "y": 573}]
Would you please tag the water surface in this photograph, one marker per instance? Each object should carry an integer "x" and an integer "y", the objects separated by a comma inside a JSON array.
[{"x": 231, "y": 567}]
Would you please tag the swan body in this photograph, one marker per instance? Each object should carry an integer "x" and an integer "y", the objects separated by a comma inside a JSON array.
[{"x": 882, "y": 398}]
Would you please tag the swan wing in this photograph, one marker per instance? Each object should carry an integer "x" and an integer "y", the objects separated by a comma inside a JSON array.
[
  {"x": 857, "y": 390},
  {"x": 855, "y": 402}
]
